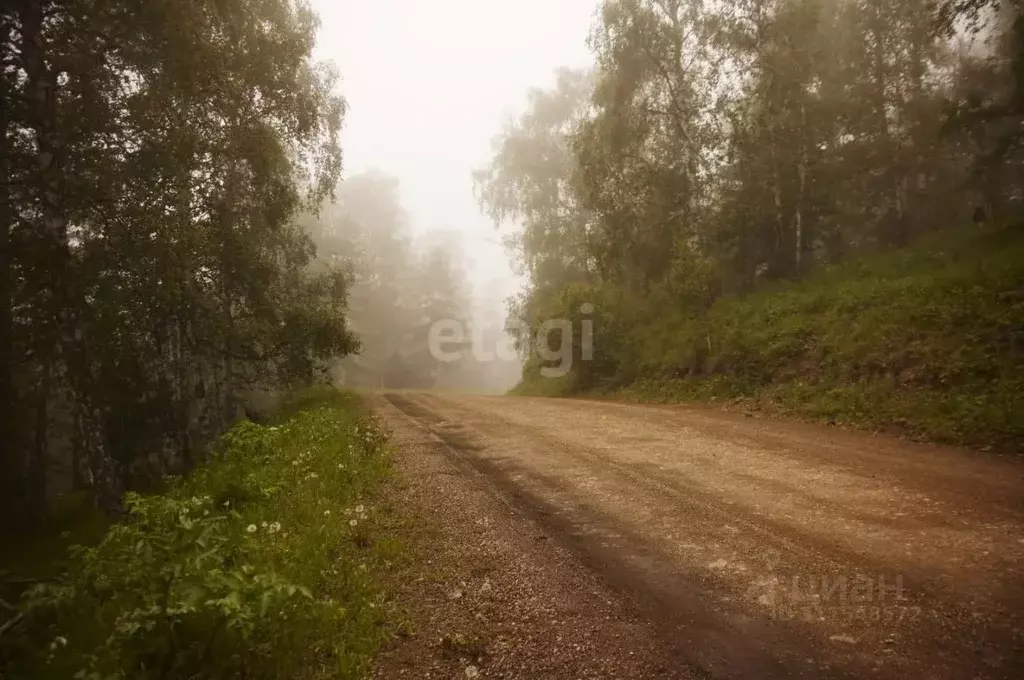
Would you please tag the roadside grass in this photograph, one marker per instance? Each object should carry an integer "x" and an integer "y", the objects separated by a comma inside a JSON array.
[
  {"x": 927, "y": 341},
  {"x": 539, "y": 386},
  {"x": 265, "y": 562}
]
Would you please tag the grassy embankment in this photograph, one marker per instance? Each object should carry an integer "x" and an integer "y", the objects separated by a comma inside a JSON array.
[
  {"x": 927, "y": 341},
  {"x": 264, "y": 562}
]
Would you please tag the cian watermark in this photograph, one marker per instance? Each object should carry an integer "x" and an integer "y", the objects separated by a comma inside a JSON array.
[
  {"x": 858, "y": 596},
  {"x": 558, "y": 343}
]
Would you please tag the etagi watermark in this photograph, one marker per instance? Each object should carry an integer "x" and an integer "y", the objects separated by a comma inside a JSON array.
[{"x": 555, "y": 342}]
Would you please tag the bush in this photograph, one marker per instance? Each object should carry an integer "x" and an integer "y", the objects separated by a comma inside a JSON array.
[{"x": 258, "y": 565}]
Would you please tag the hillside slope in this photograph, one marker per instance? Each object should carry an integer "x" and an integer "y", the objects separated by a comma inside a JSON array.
[{"x": 928, "y": 340}]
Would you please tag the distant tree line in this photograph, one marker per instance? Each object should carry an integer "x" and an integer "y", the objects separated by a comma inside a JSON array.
[
  {"x": 718, "y": 145},
  {"x": 154, "y": 155},
  {"x": 402, "y": 284}
]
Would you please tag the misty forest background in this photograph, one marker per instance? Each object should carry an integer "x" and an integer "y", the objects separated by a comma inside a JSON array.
[{"x": 176, "y": 237}]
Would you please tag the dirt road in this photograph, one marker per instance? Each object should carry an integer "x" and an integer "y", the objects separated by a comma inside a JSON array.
[{"x": 761, "y": 549}]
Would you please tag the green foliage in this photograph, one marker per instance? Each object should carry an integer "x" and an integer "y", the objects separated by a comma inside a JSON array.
[
  {"x": 155, "y": 155},
  {"x": 927, "y": 339},
  {"x": 260, "y": 564},
  {"x": 528, "y": 183}
]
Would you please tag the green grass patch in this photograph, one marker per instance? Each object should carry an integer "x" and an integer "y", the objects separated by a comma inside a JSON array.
[
  {"x": 263, "y": 563},
  {"x": 540, "y": 386}
]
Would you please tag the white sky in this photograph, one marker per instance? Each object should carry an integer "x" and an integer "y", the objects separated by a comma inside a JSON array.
[{"x": 429, "y": 83}]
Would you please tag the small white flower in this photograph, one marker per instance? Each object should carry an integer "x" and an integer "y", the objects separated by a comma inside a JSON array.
[
  {"x": 275, "y": 527},
  {"x": 327, "y": 513},
  {"x": 360, "y": 509},
  {"x": 353, "y": 522},
  {"x": 341, "y": 466},
  {"x": 251, "y": 528},
  {"x": 264, "y": 525}
]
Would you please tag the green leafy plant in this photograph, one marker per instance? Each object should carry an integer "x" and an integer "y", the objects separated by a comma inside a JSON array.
[{"x": 260, "y": 564}]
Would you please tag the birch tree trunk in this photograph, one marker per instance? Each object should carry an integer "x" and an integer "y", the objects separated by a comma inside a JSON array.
[
  {"x": 64, "y": 352},
  {"x": 228, "y": 405},
  {"x": 11, "y": 472},
  {"x": 801, "y": 190}
]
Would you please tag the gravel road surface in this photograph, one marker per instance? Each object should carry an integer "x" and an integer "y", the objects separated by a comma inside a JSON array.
[{"x": 741, "y": 547}]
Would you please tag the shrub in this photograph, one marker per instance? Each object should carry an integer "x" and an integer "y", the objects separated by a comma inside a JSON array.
[{"x": 257, "y": 565}]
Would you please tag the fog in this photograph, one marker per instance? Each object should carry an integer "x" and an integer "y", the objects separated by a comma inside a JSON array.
[{"x": 429, "y": 86}]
